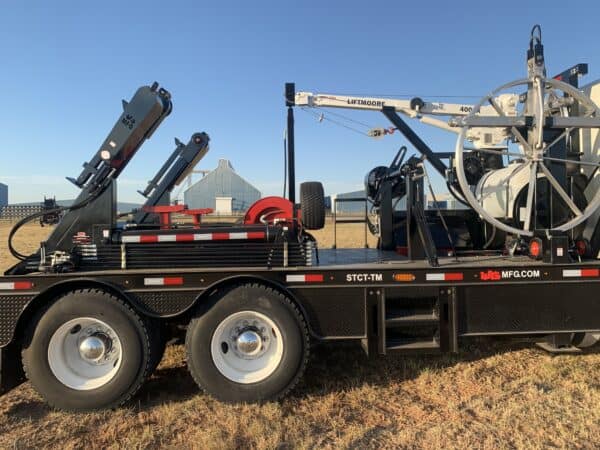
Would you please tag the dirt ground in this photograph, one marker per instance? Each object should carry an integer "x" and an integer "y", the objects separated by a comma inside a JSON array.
[{"x": 489, "y": 396}]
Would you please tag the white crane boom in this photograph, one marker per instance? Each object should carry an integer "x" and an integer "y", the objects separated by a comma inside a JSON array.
[
  {"x": 423, "y": 111},
  {"x": 400, "y": 105}
]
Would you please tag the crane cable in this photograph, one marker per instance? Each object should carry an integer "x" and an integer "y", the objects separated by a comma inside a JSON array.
[
  {"x": 322, "y": 117},
  {"x": 405, "y": 95}
]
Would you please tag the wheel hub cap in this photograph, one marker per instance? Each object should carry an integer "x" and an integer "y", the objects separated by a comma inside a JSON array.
[
  {"x": 249, "y": 343},
  {"x": 93, "y": 348}
]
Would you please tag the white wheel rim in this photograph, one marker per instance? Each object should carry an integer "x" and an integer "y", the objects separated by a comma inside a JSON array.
[
  {"x": 84, "y": 353},
  {"x": 247, "y": 347}
]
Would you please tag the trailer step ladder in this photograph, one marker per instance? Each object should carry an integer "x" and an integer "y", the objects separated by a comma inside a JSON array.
[{"x": 408, "y": 324}]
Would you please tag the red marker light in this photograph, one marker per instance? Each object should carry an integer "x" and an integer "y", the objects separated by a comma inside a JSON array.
[
  {"x": 583, "y": 248},
  {"x": 535, "y": 248}
]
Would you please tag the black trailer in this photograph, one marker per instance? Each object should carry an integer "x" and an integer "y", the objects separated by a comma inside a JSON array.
[
  {"x": 383, "y": 301},
  {"x": 86, "y": 318}
]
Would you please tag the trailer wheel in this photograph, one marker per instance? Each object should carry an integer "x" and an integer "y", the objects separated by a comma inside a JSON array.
[
  {"x": 585, "y": 340},
  {"x": 88, "y": 350},
  {"x": 251, "y": 345},
  {"x": 312, "y": 204}
]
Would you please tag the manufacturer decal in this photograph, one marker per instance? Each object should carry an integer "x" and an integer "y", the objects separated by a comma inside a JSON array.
[
  {"x": 362, "y": 277},
  {"x": 363, "y": 102},
  {"x": 490, "y": 275},
  {"x": 496, "y": 275}
]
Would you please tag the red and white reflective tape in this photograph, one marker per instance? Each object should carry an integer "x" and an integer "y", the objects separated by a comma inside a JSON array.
[
  {"x": 189, "y": 237},
  {"x": 581, "y": 273},
  {"x": 448, "y": 276},
  {"x": 163, "y": 281},
  {"x": 307, "y": 278},
  {"x": 16, "y": 286}
]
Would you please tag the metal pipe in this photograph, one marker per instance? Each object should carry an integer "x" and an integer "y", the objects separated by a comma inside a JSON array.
[
  {"x": 415, "y": 140},
  {"x": 290, "y": 93}
]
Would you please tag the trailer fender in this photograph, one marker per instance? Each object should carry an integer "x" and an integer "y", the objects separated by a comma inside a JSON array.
[
  {"x": 56, "y": 290},
  {"x": 203, "y": 301}
]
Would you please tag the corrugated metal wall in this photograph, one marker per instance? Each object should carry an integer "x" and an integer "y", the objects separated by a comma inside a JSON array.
[
  {"x": 3, "y": 194},
  {"x": 221, "y": 182}
]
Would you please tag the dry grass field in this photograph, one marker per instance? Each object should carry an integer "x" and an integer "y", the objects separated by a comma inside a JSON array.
[{"x": 488, "y": 396}]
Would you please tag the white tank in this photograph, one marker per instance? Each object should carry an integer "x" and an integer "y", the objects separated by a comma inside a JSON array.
[{"x": 497, "y": 190}]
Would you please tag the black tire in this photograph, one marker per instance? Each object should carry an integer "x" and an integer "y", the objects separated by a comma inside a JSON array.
[
  {"x": 158, "y": 343},
  {"x": 294, "y": 337},
  {"x": 100, "y": 305},
  {"x": 312, "y": 204}
]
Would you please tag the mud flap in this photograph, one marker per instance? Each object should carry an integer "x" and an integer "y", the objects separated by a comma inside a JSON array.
[{"x": 11, "y": 369}]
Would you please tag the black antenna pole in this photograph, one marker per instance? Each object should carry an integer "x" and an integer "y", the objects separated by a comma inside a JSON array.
[{"x": 290, "y": 97}]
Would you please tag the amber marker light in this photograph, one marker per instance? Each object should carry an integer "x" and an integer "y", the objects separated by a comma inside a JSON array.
[{"x": 404, "y": 277}]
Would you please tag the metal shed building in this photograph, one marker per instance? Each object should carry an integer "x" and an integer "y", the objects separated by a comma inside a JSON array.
[
  {"x": 358, "y": 207},
  {"x": 3, "y": 195},
  {"x": 221, "y": 183}
]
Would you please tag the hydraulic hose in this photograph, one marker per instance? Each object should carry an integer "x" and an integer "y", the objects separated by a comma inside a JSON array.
[{"x": 93, "y": 196}]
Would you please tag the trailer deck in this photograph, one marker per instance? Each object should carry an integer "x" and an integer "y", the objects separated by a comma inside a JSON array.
[{"x": 346, "y": 257}]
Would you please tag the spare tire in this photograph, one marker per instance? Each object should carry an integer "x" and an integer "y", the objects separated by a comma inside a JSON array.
[{"x": 312, "y": 204}]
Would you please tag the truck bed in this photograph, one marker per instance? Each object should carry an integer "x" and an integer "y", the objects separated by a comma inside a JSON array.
[{"x": 375, "y": 258}]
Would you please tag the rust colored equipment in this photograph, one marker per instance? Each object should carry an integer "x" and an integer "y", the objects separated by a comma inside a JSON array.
[
  {"x": 164, "y": 212},
  {"x": 197, "y": 214},
  {"x": 269, "y": 210}
]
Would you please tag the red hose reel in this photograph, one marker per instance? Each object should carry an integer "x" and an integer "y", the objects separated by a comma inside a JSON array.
[{"x": 269, "y": 210}]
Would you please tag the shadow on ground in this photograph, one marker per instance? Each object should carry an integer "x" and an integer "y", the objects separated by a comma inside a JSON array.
[{"x": 332, "y": 367}]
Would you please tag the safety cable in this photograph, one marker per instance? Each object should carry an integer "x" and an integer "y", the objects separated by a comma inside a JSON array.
[
  {"x": 437, "y": 208},
  {"x": 349, "y": 119},
  {"x": 323, "y": 117},
  {"x": 492, "y": 237}
]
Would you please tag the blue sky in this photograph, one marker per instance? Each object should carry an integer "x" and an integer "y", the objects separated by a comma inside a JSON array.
[{"x": 67, "y": 65}]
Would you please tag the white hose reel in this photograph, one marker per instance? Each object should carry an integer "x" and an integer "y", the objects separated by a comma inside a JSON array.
[{"x": 533, "y": 150}]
